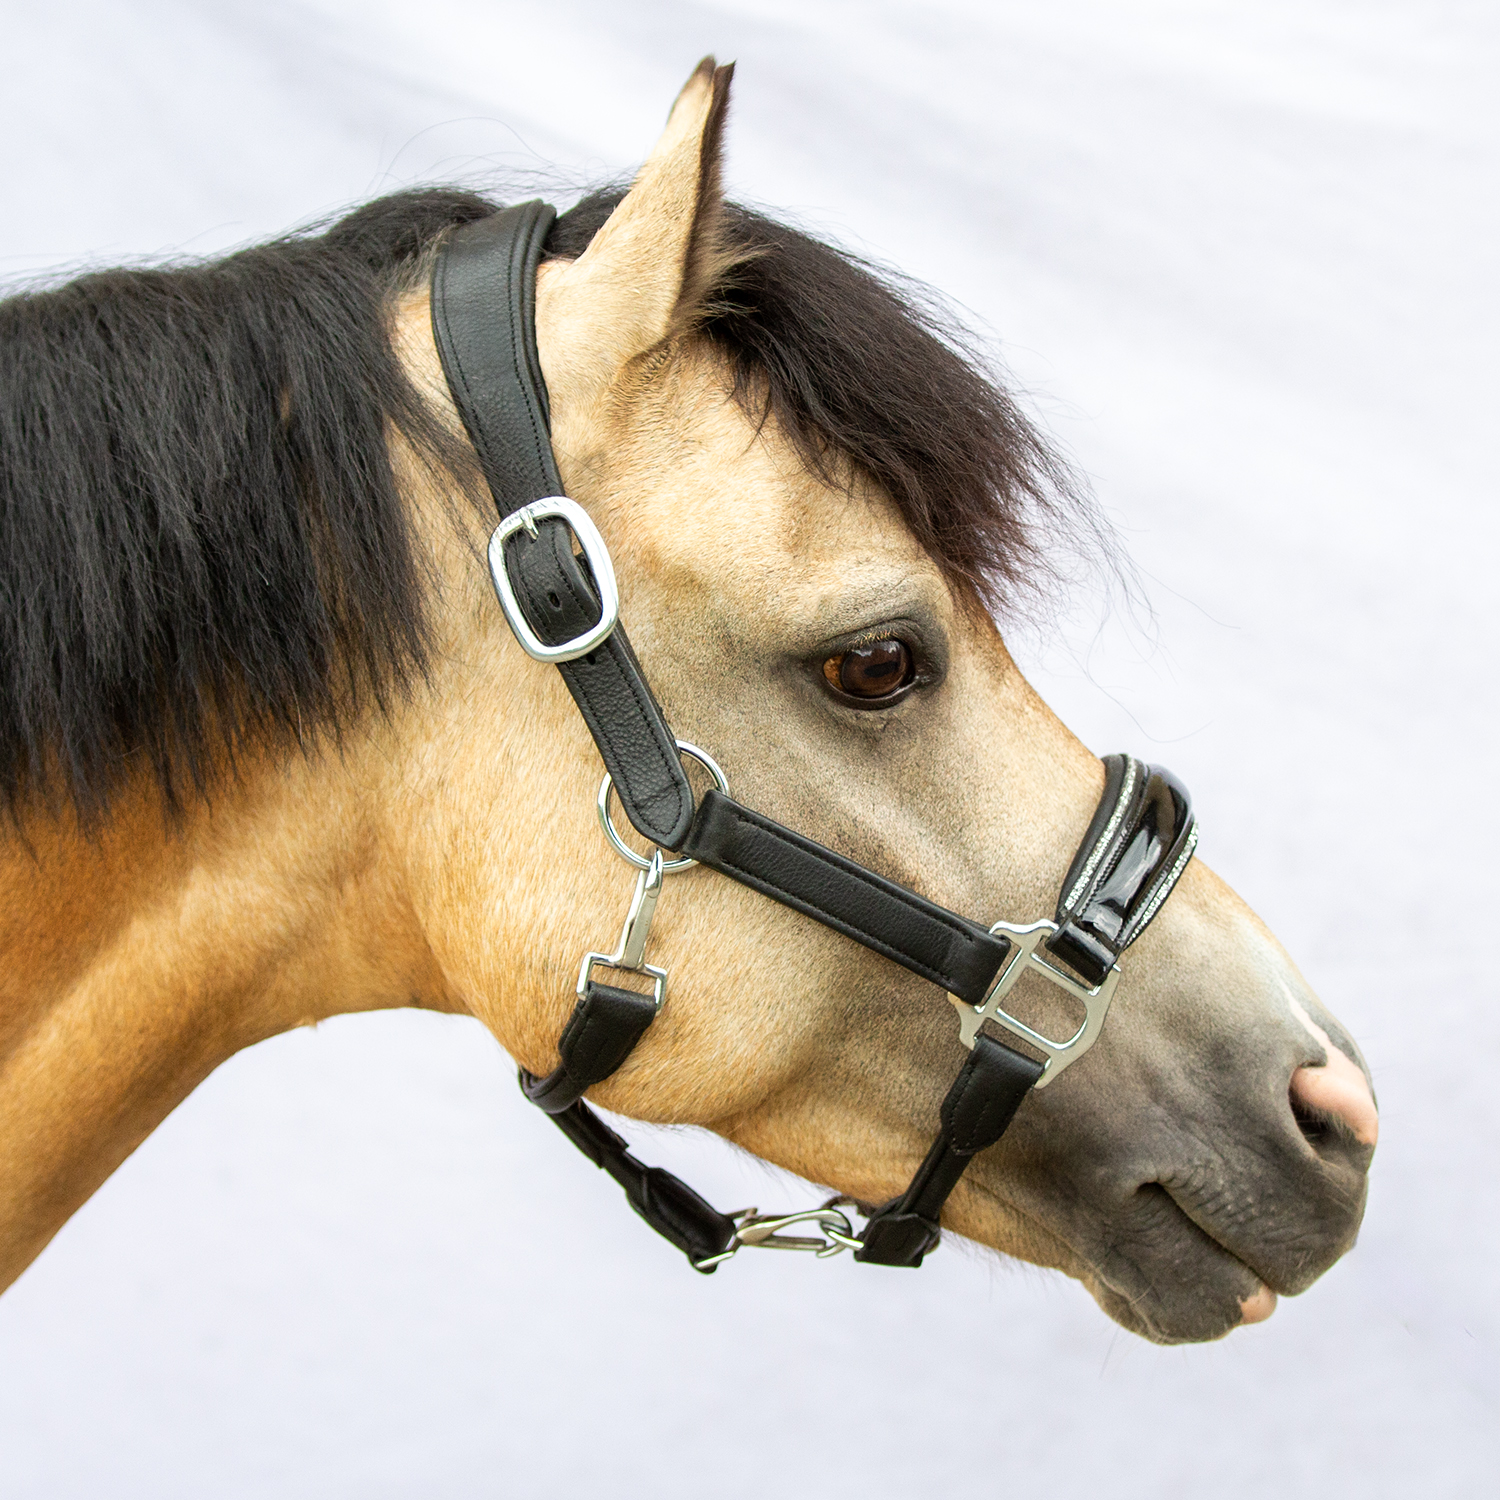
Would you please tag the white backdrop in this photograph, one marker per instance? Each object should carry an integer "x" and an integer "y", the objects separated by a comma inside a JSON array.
[{"x": 1240, "y": 253}]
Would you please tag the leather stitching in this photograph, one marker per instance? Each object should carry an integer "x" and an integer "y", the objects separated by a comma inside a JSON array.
[
  {"x": 648, "y": 713},
  {"x": 667, "y": 786},
  {"x": 455, "y": 357},
  {"x": 914, "y": 904},
  {"x": 974, "y": 1138},
  {"x": 628, "y": 678},
  {"x": 581, "y": 1070},
  {"x": 631, "y": 793},
  {"x": 844, "y": 923},
  {"x": 488, "y": 457},
  {"x": 517, "y": 333}
]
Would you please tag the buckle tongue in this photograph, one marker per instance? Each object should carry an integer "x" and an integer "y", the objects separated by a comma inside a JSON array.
[{"x": 595, "y": 553}]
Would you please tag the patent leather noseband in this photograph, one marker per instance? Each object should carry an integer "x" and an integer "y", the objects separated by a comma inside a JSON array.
[{"x": 564, "y": 610}]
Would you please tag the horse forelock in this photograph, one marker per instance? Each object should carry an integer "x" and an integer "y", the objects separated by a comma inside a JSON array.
[{"x": 862, "y": 370}]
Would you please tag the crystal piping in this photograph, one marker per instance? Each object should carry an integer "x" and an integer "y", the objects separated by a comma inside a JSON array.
[
  {"x": 1164, "y": 889},
  {"x": 1127, "y": 787}
]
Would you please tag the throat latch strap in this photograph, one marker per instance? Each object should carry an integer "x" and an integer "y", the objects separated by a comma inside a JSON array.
[{"x": 665, "y": 1202}]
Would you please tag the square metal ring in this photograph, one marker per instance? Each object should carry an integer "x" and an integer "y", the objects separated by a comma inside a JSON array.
[
  {"x": 1023, "y": 958},
  {"x": 658, "y": 977},
  {"x": 597, "y": 556}
]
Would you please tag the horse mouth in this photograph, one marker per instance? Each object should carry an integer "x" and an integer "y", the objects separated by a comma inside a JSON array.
[
  {"x": 1154, "y": 1268},
  {"x": 1146, "y": 1291}
]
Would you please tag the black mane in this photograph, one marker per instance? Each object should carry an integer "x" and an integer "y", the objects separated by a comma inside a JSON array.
[{"x": 201, "y": 540}]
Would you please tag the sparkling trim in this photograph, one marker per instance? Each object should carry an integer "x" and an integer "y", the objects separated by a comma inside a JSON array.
[
  {"x": 1163, "y": 890},
  {"x": 1127, "y": 787}
]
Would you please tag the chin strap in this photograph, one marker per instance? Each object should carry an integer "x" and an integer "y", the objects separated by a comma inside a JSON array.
[
  {"x": 564, "y": 609},
  {"x": 982, "y": 1102}
]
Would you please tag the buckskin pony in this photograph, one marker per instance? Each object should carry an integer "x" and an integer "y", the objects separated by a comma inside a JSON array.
[{"x": 271, "y": 753}]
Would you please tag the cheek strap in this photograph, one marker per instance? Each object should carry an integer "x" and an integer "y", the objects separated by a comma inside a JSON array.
[
  {"x": 484, "y": 325},
  {"x": 981, "y": 1104}
]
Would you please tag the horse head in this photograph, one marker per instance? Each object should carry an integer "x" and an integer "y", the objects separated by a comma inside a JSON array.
[
  {"x": 833, "y": 650},
  {"x": 813, "y": 503}
]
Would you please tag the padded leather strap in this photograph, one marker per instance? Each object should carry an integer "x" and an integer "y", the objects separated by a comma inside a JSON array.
[
  {"x": 605, "y": 1025},
  {"x": 1140, "y": 840},
  {"x": 981, "y": 1104},
  {"x": 608, "y": 685},
  {"x": 665, "y": 1202},
  {"x": 954, "y": 953},
  {"x": 603, "y": 1029},
  {"x": 484, "y": 324}
]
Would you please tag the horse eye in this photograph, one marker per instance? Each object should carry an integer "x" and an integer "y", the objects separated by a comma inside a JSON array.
[{"x": 875, "y": 670}]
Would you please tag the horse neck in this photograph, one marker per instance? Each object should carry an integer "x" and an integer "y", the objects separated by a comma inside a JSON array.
[{"x": 138, "y": 959}]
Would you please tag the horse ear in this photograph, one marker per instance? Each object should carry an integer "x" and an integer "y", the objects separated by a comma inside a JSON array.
[{"x": 647, "y": 272}]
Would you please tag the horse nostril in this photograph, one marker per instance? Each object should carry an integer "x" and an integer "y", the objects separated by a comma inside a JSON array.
[
  {"x": 1333, "y": 1099},
  {"x": 1316, "y": 1127}
]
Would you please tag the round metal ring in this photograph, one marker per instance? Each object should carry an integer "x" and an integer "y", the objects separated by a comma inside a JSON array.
[{"x": 669, "y": 866}]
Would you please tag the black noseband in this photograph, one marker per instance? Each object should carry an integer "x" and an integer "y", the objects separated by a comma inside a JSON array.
[{"x": 1140, "y": 840}]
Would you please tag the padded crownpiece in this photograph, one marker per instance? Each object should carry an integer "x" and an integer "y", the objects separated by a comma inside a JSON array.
[{"x": 484, "y": 325}]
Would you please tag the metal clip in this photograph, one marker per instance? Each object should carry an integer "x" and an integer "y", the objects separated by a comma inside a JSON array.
[
  {"x": 630, "y": 952},
  {"x": 1022, "y": 958},
  {"x": 757, "y": 1231}
]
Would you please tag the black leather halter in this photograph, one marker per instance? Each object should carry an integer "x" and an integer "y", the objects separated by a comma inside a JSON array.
[{"x": 563, "y": 608}]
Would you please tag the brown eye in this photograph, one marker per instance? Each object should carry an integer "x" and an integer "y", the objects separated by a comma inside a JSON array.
[{"x": 875, "y": 670}]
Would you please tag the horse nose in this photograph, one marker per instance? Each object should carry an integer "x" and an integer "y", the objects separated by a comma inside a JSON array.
[
  {"x": 1339, "y": 1091},
  {"x": 1332, "y": 1093},
  {"x": 1335, "y": 1111}
]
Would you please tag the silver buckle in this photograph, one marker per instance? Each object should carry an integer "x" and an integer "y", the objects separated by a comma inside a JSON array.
[
  {"x": 599, "y": 563},
  {"x": 1023, "y": 956},
  {"x": 630, "y": 952}
]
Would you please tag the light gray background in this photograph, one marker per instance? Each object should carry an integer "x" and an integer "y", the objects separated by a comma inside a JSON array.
[{"x": 1242, "y": 257}]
